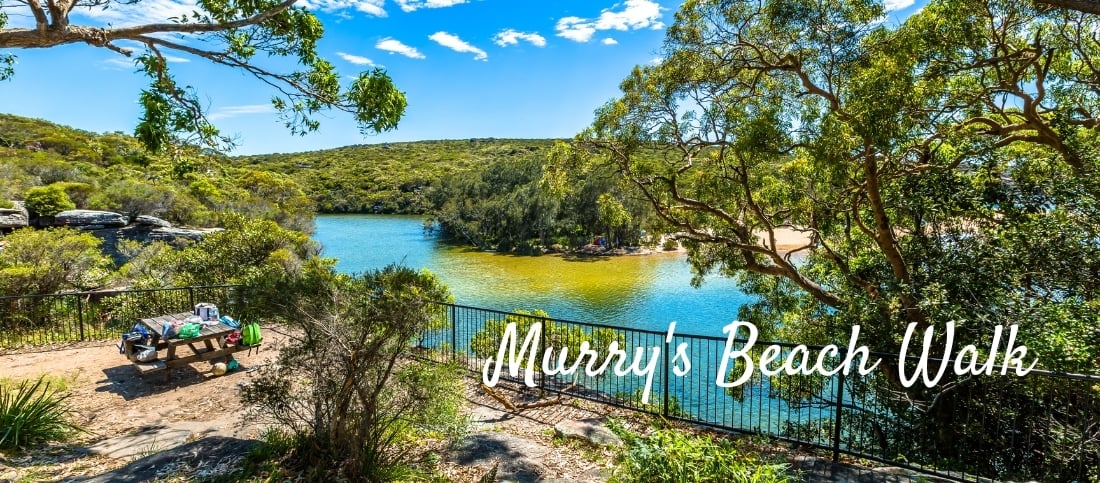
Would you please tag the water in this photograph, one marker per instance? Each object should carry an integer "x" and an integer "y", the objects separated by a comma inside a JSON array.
[
  {"x": 645, "y": 291},
  {"x": 642, "y": 292}
]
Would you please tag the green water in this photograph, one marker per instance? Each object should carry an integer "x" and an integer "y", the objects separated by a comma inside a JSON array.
[{"x": 646, "y": 291}]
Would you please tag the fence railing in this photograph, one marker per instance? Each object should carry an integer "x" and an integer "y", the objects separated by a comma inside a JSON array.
[
  {"x": 1044, "y": 426},
  {"x": 37, "y": 320}
]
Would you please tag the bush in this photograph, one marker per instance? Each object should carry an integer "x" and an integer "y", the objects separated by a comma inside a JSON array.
[
  {"x": 673, "y": 455},
  {"x": 32, "y": 413},
  {"x": 343, "y": 386},
  {"x": 45, "y": 261},
  {"x": 48, "y": 200}
]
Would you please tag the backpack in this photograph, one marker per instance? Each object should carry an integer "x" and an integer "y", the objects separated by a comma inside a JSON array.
[{"x": 250, "y": 334}]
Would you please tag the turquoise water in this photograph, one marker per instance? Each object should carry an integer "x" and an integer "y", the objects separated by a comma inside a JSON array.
[{"x": 646, "y": 291}]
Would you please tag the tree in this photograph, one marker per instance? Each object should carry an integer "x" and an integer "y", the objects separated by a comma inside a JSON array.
[
  {"x": 941, "y": 170},
  {"x": 231, "y": 33}
]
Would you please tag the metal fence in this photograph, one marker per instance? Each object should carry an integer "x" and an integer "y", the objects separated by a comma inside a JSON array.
[
  {"x": 1044, "y": 426},
  {"x": 39, "y": 320}
]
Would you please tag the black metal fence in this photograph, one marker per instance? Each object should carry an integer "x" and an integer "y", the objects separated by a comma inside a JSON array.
[
  {"x": 1044, "y": 426},
  {"x": 38, "y": 320}
]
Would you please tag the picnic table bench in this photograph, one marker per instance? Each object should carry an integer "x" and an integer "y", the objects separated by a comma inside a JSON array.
[{"x": 212, "y": 338}]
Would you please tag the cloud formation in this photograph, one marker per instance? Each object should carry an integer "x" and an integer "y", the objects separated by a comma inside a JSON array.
[
  {"x": 635, "y": 15},
  {"x": 395, "y": 46},
  {"x": 355, "y": 59},
  {"x": 411, "y": 5},
  {"x": 369, "y": 7},
  {"x": 456, "y": 44},
  {"x": 894, "y": 5},
  {"x": 508, "y": 37},
  {"x": 610, "y": 41},
  {"x": 234, "y": 111}
]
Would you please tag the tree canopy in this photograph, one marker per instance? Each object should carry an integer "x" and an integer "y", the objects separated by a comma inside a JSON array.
[
  {"x": 232, "y": 33},
  {"x": 943, "y": 169}
]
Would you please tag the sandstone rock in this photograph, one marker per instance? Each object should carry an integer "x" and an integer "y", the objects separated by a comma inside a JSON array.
[
  {"x": 89, "y": 217},
  {"x": 591, "y": 430},
  {"x": 151, "y": 221},
  {"x": 169, "y": 234},
  {"x": 14, "y": 217}
]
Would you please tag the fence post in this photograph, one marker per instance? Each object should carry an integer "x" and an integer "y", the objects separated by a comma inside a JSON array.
[
  {"x": 191, "y": 296},
  {"x": 454, "y": 335},
  {"x": 80, "y": 315},
  {"x": 838, "y": 420},
  {"x": 664, "y": 405}
]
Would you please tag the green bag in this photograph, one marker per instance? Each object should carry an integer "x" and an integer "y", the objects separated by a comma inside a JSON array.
[
  {"x": 250, "y": 335},
  {"x": 189, "y": 331}
]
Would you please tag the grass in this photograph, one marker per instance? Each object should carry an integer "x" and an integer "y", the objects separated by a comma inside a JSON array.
[{"x": 33, "y": 412}]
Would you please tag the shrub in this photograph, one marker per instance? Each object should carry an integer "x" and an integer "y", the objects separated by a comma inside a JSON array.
[
  {"x": 674, "y": 455},
  {"x": 45, "y": 261},
  {"x": 48, "y": 200},
  {"x": 343, "y": 387},
  {"x": 32, "y": 413}
]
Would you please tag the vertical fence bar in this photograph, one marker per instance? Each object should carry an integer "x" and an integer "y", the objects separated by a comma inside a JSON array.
[
  {"x": 80, "y": 316},
  {"x": 191, "y": 297},
  {"x": 454, "y": 335},
  {"x": 838, "y": 416},
  {"x": 664, "y": 404}
]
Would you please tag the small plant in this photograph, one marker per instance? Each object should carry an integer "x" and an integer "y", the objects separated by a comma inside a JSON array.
[
  {"x": 33, "y": 413},
  {"x": 674, "y": 455}
]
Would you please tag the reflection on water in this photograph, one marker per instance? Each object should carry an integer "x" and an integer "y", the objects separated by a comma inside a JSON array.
[{"x": 631, "y": 291}]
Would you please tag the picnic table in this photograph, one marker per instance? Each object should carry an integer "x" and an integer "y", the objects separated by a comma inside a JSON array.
[{"x": 212, "y": 339}]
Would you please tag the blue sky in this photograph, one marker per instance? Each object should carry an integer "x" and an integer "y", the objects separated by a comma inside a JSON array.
[{"x": 470, "y": 68}]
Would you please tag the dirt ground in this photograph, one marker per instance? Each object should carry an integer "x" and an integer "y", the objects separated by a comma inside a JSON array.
[{"x": 110, "y": 398}]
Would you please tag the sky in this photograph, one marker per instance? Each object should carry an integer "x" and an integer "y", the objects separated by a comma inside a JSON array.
[{"x": 469, "y": 68}]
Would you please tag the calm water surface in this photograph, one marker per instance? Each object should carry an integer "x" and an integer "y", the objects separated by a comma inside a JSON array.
[{"x": 631, "y": 291}]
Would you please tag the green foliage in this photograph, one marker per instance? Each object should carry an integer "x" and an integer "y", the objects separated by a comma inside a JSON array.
[
  {"x": 344, "y": 387},
  {"x": 48, "y": 200},
  {"x": 33, "y": 413},
  {"x": 114, "y": 172},
  {"x": 556, "y": 336},
  {"x": 46, "y": 261},
  {"x": 674, "y": 455}
]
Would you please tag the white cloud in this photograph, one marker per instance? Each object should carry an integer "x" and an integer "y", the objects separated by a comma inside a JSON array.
[
  {"x": 234, "y": 111},
  {"x": 355, "y": 59},
  {"x": 149, "y": 11},
  {"x": 894, "y": 5},
  {"x": 369, "y": 7},
  {"x": 176, "y": 60},
  {"x": 411, "y": 5},
  {"x": 508, "y": 37},
  {"x": 610, "y": 41},
  {"x": 656, "y": 61},
  {"x": 128, "y": 63},
  {"x": 456, "y": 44},
  {"x": 395, "y": 46},
  {"x": 634, "y": 15}
]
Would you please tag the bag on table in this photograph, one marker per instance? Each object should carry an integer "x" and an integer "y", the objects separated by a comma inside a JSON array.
[
  {"x": 206, "y": 311},
  {"x": 145, "y": 353},
  {"x": 190, "y": 331}
]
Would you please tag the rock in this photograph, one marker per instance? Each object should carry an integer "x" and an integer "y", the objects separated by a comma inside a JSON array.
[
  {"x": 14, "y": 217},
  {"x": 89, "y": 217},
  {"x": 591, "y": 430},
  {"x": 151, "y": 221},
  {"x": 145, "y": 441},
  {"x": 170, "y": 234},
  {"x": 516, "y": 459}
]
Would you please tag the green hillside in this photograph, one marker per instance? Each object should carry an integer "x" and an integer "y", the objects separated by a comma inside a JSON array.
[{"x": 389, "y": 177}]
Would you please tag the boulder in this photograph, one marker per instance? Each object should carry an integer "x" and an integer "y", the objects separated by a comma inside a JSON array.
[
  {"x": 151, "y": 221},
  {"x": 170, "y": 234},
  {"x": 78, "y": 218},
  {"x": 591, "y": 430},
  {"x": 14, "y": 217}
]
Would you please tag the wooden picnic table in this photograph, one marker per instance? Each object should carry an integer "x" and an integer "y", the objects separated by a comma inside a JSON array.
[{"x": 212, "y": 338}]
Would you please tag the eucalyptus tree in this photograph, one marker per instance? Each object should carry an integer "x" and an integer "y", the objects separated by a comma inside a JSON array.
[
  {"x": 940, "y": 169},
  {"x": 233, "y": 33}
]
